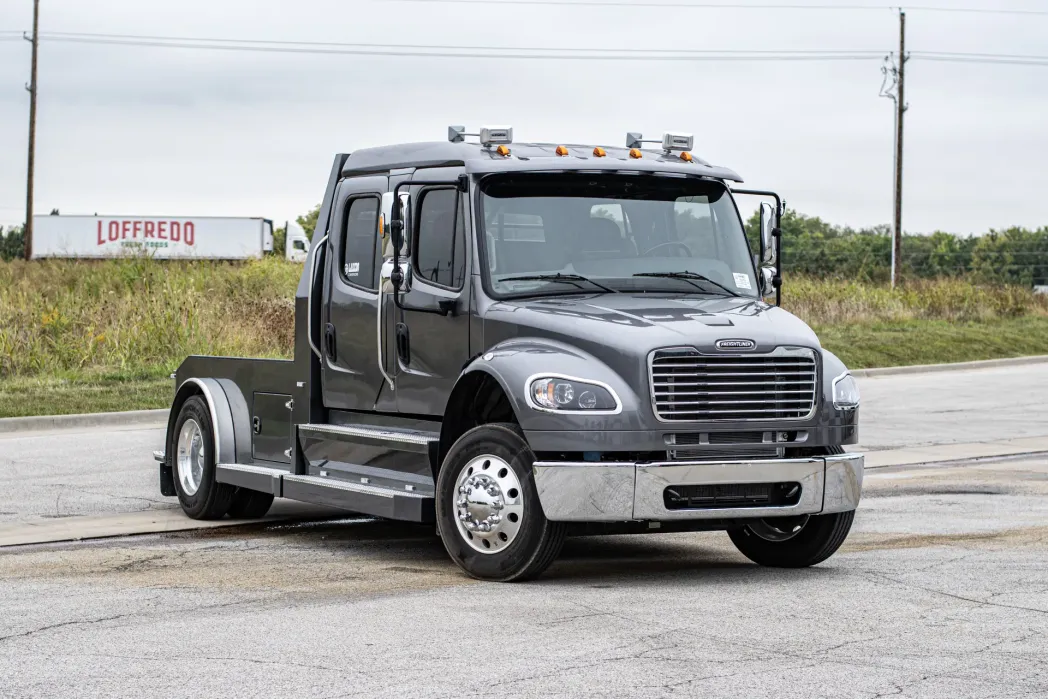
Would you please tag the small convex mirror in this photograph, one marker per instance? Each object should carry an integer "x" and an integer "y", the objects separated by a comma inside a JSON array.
[
  {"x": 767, "y": 281},
  {"x": 768, "y": 224}
]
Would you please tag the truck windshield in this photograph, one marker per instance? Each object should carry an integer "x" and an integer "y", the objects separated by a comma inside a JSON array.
[{"x": 566, "y": 233}]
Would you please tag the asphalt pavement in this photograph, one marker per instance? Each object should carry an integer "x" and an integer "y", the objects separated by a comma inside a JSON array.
[{"x": 940, "y": 591}]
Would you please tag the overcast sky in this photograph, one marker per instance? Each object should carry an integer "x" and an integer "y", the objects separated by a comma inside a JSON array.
[{"x": 138, "y": 130}]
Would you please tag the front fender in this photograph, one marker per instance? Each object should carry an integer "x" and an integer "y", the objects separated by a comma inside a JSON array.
[{"x": 513, "y": 362}]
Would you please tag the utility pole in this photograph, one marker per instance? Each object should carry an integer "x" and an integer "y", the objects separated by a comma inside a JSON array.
[
  {"x": 900, "y": 107},
  {"x": 32, "y": 135}
]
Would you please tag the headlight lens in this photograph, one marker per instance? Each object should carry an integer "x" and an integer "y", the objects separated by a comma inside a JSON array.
[
  {"x": 558, "y": 393},
  {"x": 845, "y": 392}
]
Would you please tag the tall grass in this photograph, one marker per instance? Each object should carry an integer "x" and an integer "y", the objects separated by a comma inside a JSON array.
[{"x": 139, "y": 318}]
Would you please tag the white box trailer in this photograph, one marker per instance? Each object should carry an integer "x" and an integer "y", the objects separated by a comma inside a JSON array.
[{"x": 162, "y": 237}]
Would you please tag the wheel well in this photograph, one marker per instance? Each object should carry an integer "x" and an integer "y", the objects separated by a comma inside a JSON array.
[
  {"x": 478, "y": 399},
  {"x": 185, "y": 392}
]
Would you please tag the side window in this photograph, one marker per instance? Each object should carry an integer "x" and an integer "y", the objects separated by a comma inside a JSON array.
[
  {"x": 440, "y": 243},
  {"x": 359, "y": 241}
]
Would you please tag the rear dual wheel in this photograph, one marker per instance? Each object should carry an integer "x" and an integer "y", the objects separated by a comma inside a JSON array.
[
  {"x": 192, "y": 445},
  {"x": 488, "y": 510}
]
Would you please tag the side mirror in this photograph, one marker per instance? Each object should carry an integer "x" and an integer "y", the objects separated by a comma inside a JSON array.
[
  {"x": 386, "y": 277},
  {"x": 767, "y": 281},
  {"x": 769, "y": 227}
]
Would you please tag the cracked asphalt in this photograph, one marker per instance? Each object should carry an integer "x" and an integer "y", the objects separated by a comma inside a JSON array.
[{"x": 940, "y": 591}]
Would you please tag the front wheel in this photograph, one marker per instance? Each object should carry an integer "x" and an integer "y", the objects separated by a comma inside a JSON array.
[
  {"x": 792, "y": 542},
  {"x": 488, "y": 509}
]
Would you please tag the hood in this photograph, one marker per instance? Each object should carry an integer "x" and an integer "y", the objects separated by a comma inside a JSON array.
[{"x": 635, "y": 324}]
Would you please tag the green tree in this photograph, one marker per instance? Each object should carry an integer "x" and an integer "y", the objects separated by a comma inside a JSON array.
[
  {"x": 12, "y": 243},
  {"x": 308, "y": 221}
]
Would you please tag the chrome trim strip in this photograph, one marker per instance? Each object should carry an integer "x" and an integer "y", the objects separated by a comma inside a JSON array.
[
  {"x": 378, "y": 324},
  {"x": 552, "y": 375},
  {"x": 782, "y": 351},
  {"x": 417, "y": 438},
  {"x": 158, "y": 455},
  {"x": 309, "y": 296},
  {"x": 251, "y": 468},
  {"x": 360, "y": 488}
]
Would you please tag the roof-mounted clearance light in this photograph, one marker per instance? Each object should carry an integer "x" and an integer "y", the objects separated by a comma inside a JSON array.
[
  {"x": 502, "y": 150},
  {"x": 635, "y": 153},
  {"x": 686, "y": 157},
  {"x": 599, "y": 152},
  {"x": 561, "y": 150},
  {"x": 488, "y": 135}
]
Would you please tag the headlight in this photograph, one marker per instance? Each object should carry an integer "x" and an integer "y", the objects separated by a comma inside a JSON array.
[
  {"x": 564, "y": 393},
  {"x": 845, "y": 392}
]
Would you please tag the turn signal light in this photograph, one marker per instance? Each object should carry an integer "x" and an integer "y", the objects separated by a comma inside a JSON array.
[
  {"x": 599, "y": 152},
  {"x": 635, "y": 153},
  {"x": 561, "y": 150},
  {"x": 502, "y": 150}
]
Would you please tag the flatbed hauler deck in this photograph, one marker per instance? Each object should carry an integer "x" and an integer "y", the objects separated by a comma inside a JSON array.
[{"x": 511, "y": 338}]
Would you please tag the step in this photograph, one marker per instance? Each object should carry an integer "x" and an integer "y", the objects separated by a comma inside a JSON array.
[
  {"x": 375, "y": 500},
  {"x": 417, "y": 441}
]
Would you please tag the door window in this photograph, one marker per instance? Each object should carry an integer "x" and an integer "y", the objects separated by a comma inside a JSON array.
[
  {"x": 358, "y": 243},
  {"x": 440, "y": 246}
]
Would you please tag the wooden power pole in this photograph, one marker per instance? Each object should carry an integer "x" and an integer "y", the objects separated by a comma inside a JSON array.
[
  {"x": 900, "y": 106},
  {"x": 32, "y": 135}
]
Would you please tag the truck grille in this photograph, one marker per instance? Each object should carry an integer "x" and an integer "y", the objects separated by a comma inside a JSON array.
[{"x": 689, "y": 386}]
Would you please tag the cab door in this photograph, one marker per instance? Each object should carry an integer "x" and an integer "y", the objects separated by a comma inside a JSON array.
[
  {"x": 431, "y": 333},
  {"x": 351, "y": 374}
]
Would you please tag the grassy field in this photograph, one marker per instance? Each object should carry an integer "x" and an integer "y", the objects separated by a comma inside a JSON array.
[{"x": 105, "y": 335}]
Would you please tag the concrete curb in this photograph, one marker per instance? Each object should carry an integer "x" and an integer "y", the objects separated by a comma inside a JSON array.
[
  {"x": 959, "y": 366},
  {"x": 9, "y": 425}
]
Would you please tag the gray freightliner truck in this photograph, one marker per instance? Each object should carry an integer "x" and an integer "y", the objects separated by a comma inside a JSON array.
[{"x": 520, "y": 341}]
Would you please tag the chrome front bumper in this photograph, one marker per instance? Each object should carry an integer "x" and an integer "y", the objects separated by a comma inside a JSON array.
[{"x": 615, "y": 492}]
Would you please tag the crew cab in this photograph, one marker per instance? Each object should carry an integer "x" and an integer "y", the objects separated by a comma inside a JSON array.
[{"x": 517, "y": 341}]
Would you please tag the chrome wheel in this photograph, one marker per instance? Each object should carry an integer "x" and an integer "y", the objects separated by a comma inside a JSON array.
[
  {"x": 489, "y": 504},
  {"x": 190, "y": 457},
  {"x": 778, "y": 528}
]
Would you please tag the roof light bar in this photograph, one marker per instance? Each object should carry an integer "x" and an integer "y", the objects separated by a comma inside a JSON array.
[{"x": 488, "y": 135}]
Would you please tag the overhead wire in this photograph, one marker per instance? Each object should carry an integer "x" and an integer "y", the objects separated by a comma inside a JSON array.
[{"x": 736, "y": 6}]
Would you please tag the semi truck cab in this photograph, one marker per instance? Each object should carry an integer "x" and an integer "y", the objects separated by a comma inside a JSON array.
[{"x": 520, "y": 341}]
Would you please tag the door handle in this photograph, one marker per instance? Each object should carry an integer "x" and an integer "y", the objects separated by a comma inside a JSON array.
[{"x": 329, "y": 341}]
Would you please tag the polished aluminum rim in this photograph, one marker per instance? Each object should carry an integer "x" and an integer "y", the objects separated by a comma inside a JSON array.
[
  {"x": 778, "y": 528},
  {"x": 190, "y": 459},
  {"x": 489, "y": 504}
]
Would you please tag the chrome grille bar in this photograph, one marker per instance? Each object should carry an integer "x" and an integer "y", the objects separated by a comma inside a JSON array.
[{"x": 689, "y": 386}]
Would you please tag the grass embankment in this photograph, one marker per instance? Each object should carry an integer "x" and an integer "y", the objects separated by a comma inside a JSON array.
[{"x": 101, "y": 336}]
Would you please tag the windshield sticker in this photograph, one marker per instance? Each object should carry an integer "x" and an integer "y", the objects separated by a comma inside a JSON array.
[{"x": 742, "y": 281}]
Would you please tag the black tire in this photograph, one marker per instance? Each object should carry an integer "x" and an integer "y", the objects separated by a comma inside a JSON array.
[
  {"x": 249, "y": 504},
  {"x": 820, "y": 538},
  {"x": 211, "y": 499},
  {"x": 537, "y": 540}
]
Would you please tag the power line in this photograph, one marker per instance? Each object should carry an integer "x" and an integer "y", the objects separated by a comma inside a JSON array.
[
  {"x": 356, "y": 45},
  {"x": 480, "y": 52},
  {"x": 732, "y": 6}
]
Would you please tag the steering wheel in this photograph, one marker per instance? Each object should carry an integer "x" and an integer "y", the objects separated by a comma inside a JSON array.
[{"x": 672, "y": 243}]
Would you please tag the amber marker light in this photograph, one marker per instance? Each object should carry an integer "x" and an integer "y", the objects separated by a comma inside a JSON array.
[
  {"x": 561, "y": 150},
  {"x": 502, "y": 150},
  {"x": 635, "y": 153},
  {"x": 686, "y": 157},
  {"x": 599, "y": 152}
]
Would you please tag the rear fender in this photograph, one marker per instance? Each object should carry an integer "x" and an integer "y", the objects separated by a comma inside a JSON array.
[{"x": 222, "y": 426}]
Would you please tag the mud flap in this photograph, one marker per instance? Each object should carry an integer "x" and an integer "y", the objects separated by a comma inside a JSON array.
[{"x": 167, "y": 481}]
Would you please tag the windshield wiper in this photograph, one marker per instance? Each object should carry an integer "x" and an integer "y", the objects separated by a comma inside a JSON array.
[
  {"x": 558, "y": 277},
  {"x": 690, "y": 277}
]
